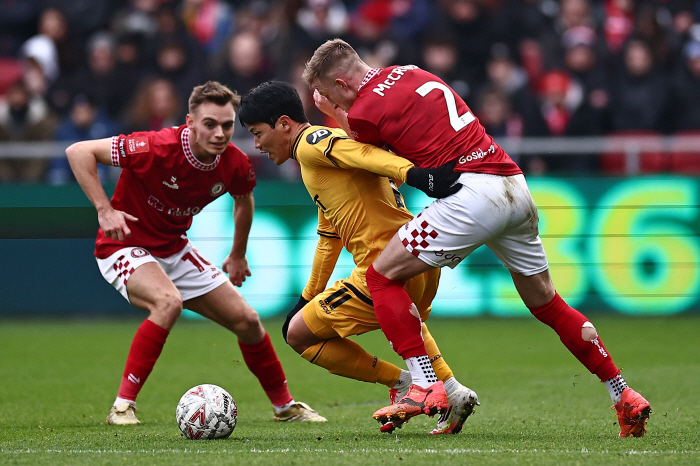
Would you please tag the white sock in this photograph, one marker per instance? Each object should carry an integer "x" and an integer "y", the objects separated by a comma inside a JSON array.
[
  {"x": 421, "y": 370},
  {"x": 404, "y": 380},
  {"x": 451, "y": 385},
  {"x": 615, "y": 387},
  {"x": 123, "y": 400},
  {"x": 279, "y": 408}
]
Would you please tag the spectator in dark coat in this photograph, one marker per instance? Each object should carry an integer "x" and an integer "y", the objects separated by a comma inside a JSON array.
[
  {"x": 684, "y": 101},
  {"x": 639, "y": 94}
]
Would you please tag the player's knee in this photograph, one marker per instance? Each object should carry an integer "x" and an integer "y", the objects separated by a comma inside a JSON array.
[
  {"x": 294, "y": 339},
  {"x": 248, "y": 325},
  {"x": 167, "y": 309}
]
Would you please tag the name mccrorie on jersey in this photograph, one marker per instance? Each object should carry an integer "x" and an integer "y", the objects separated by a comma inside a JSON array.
[{"x": 391, "y": 79}]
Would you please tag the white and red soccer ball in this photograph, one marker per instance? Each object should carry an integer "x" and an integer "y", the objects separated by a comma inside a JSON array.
[{"x": 206, "y": 412}]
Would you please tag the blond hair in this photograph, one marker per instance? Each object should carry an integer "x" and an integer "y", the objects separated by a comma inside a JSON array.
[
  {"x": 213, "y": 91},
  {"x": 333, "y": 55}
]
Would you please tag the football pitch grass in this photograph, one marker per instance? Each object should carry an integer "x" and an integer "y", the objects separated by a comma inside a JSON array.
[{"x": 538, "y": 404}]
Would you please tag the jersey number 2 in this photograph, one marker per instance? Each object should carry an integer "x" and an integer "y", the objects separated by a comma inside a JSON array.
[{"x": 456, "y": 120}]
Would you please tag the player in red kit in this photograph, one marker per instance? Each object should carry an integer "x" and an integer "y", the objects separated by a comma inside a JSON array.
[
  {"x": 416, "y": 115},
  {"x": 167, "y": 177}
]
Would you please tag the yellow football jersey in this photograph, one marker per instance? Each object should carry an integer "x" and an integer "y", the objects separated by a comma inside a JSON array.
[{"x": 358, "y": 209}]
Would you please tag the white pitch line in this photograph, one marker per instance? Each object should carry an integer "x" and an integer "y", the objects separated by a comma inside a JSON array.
[{"x": 361, "y": 450}]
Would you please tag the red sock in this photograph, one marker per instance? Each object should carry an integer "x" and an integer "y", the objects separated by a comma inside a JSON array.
[
  {"x": 262, "y": 361},
  {"x": 568, "y": 322},
  {"x": 392, "y": 308},
  {"x": 145, "y": 349}
]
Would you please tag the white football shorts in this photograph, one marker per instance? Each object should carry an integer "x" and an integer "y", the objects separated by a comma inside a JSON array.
[
  {"x": 191, "y": 273},
  {"x": 497, "y": 211}
]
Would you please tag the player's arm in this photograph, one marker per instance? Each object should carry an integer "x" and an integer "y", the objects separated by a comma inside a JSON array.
[
  {"x": 435, "y": 182},
  {"x": 236, "y": 264},
  {"x": 83, "y": 158},
  {"x": 328, "y": 250}
]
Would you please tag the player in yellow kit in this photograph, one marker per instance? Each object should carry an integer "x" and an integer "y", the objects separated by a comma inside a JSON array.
[{"x": 361, "y": 211}]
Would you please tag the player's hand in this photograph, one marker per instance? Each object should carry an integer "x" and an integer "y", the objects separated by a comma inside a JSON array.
[
  {"x": 237, "y": 269},
  {"x": 113, "y": 223},
  {"x": 329, "y": 107},
  {"x": 435, "y": 182}
]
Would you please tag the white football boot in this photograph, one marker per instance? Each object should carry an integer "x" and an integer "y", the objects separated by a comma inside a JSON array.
[
  {"x": 461, "y": 405},
  {"x": 123, "y": 414},
  {"x": 300, "y": 412}
]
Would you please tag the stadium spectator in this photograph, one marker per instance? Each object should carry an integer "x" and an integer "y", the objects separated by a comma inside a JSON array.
[
  {"x": 441, "y": 57},
  {"x": 40, "y": 62},
  {"x": 639, "y": 92},
  {"x": 581, "y": 61},
  {"x": 618, "y": 24},
  {"x": 174, "y": 63},
  {"x": 360, "y": 211},
  {"x": 155, "y": 105},
  {"x": 210, "y": 22},
  {"x": 138, "y": 17},
  {"x": 464, "y": 220},
  {"x": 563, "y": 111},
  {"x": 475, "y": 28},
  {"x": 101, "y": 79},
  {"x": 649, "y": 29},
  {"x": 130, "y": 56},
  {"x": 246, "y": 63},
  {"x": 684, "y": 99},
  {"x": 85, "y": 121},
  {"x": 496, "y": 114},
  {"x": 504, "y": 74},
  {"x": 17, "y": 23},
  {"x": 54, "y": 25},
  {"x": 141, "y": 249},
  {"x": 24, "y": 117}
]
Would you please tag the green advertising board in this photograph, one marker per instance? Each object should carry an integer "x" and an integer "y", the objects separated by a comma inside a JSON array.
[{"x": 613, "y": 244}]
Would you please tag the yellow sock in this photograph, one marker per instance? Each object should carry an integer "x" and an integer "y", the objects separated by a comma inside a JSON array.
[
  {"x": 442, "y": 370},
  {"x": 342, "y": 356}
]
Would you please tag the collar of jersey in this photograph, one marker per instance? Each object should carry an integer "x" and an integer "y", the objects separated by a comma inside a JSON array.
[
  {"x": 370, "y": 74},
  {"x": 189, "y": 155}
]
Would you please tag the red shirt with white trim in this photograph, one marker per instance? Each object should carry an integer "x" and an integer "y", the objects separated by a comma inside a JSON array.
[
  {"x": 416, "y": 115},
  {"x": 164, "y": 185}
]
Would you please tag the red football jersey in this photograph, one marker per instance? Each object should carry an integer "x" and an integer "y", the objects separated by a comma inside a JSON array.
[
  {"x": 416, "y": 115},
  {"x": 163, "y": 185}
]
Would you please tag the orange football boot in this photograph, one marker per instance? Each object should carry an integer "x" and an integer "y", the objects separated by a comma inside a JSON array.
[{"x": 632, "y": 413}]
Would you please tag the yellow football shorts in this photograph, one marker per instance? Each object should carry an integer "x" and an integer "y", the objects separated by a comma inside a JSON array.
[{"x": 346, "y": 309}]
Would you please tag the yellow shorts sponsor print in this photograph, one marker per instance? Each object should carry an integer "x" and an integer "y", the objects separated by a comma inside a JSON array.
[{"x": 346, "y": 309}]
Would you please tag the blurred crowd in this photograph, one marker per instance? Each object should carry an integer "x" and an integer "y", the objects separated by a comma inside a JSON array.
[{"x": 84, "y": 69}]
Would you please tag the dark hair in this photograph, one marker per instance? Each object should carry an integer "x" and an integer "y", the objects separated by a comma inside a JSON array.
[
  {"x": 212, "y": 91},
  {"x": 270, "y": 100}
]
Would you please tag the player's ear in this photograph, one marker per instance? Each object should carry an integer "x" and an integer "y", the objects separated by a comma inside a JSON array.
[
  {"x": 341, "y": 82},
  {"x": 189, "y": 120},
  {"x": 284, "y": 122}
]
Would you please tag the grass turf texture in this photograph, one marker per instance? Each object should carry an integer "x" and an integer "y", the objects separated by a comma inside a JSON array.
[{"x": 538, "y": 404}]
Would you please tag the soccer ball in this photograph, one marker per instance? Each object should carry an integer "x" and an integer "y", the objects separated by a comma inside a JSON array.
[{"x": 206, "y": 412}]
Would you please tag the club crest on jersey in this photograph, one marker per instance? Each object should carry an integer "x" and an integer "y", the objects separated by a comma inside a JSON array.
[
  {"x": 216, "y": 189},
  {"x": 139, "y": 252},
  {"x": 136, "y": 145},
  {"x": 318, "y": 135}
]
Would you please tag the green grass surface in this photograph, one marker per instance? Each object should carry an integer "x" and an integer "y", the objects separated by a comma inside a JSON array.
[{"x": 538, "y": 405}]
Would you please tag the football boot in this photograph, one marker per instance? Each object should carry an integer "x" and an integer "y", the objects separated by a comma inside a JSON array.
[
  {"x": 632, "y": 413},
  {"x": 300, "y": 412},
  {"x": 123, "y": 414}
]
